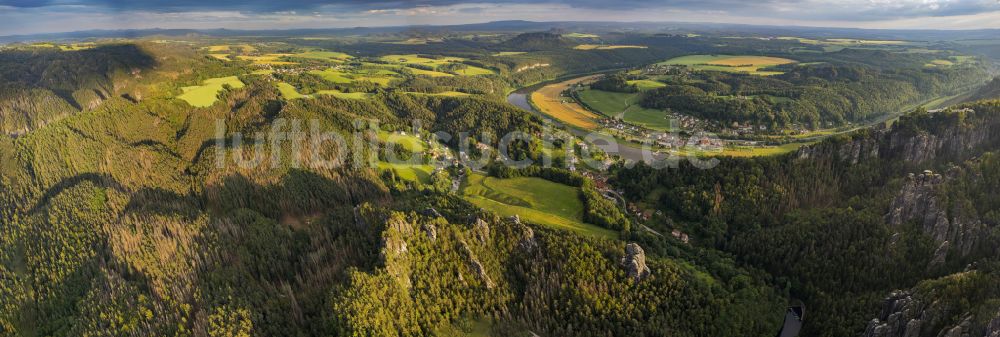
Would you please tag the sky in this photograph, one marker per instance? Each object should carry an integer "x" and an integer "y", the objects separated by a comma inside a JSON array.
[{"x": 51, "y": 16}]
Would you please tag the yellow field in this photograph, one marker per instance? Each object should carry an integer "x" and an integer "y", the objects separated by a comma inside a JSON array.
[
  {"x": 606, "y": 47},
  {"x": 414, "y": 58},
  {"x": 758, "y": 61},
  {"x": 271, "y": 59},
  {"x": 566, "y": 110}
]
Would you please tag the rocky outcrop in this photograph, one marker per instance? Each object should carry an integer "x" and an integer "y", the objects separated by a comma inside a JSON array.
[
  {"x": 476, "y": 266},
  {"x": 634, "y": 262},
  {"x": 906, "y": 315},
  {"x": 919, "y": 201},
  {"x": 431, "y": 231},
  {"x": 481, "y": 231},
  {"x": 394, "y": 249},
  {"x": 993, "y": 329},
  {"x": 902, "y": 316},
  {"x": 913, "y": 142}
]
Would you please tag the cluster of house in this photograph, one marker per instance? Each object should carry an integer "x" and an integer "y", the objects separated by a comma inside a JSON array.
[{"x": 665, "y": 69}]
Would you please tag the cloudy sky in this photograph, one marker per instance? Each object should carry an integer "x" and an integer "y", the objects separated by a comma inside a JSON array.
[{"x": 47, "y": 16}]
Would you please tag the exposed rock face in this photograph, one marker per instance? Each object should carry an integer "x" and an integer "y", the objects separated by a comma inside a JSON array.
[
  {"x": 904, "y": 315},
  {"x": 528, "y": 241},
  {"x": 431, "y": 231},
  {"x": 993, "y": 329},
  {"x": 918, "y": 201},
  {"x": 394, "y": 249},
  {"x": 635, "y": 262},
  {"x": 481, "y": 230},
  {"x": 476, "y": 266},
  {"x": 901, "y": 317},
  {"x": 951, "y": 141}
]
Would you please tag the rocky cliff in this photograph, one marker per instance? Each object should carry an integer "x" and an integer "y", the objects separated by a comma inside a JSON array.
[
  {"x": 920, "y": 201},
  {"x": 928, "y": 312},
  {"x": 915, "y": 139}
]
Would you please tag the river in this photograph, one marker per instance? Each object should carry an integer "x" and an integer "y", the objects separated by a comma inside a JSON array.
[{"x": 608, "y": 144}]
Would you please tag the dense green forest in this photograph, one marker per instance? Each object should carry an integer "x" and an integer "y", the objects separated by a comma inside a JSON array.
[
  {"x": 820, "y": 220},
  {"x": 815, "y": 95}
]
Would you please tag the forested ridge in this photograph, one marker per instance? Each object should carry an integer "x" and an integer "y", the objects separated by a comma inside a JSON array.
[{"x": 816, "y": 95}]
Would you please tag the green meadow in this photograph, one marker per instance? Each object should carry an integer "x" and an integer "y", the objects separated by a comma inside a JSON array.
[
  {"x": 625, "y": 106},
  {"x": 206, "y": 94},
  {"x": 418, "y": 173},
  {"x": 534, "y": 200}
]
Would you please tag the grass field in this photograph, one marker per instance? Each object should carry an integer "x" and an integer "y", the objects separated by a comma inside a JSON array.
[
  {"x": 581, "y": 36},
  {"x": 323, "y": 55},
  {"x": 288, "y": 91},
  {"x": 730, "y": 63},
  {"x": 269, "y": 59},
  {"x": 411, "y": 172},
  {"x": 205, "y": 95},
  {"x": 759, "y": 151},
  {"x": 646, "y": 84},
  {"x": 332, "y": 75},
  {"x": 408, "y": 142},
  {"x": 607, "y": 47},
  {"x": 534, "y": 200},
  {"x": 348, "y": 95},
  {"x": 416, "y": 59},
  {"x": 473, "y": 71},
  {"x": 625, "y": 106},
  {"x": 510, "y": 53},
  {"x": 548, "y": 101},
  {"x": 430, "y": 73},
  {"x": 443, "y": 93},
  {"x": 77, "y": 46}
]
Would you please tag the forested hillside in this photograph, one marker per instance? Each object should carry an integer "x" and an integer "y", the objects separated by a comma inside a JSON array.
[
  {"x": 117, "y": 221},
  {"x": 822, "y": 219}
]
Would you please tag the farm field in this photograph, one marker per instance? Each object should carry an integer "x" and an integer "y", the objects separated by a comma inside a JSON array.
[
  {"x": 206, "y": 94},
  {"x": 760, "y": 151},
  {"x": 534, "y": 200},
  {"x": 332, "y": 75},
  {"x": 268, "y": 59},
  {"x": 581, "y": 35},
  {"x": 625, "y": 106},
  {"x": 549, "y": 101},
  {"x": 510, "y": 53},
  {"x": 473, "y": 71},
  {"x": 323, "y": 55},
  {"x": 418, "y": 173},
  {"x": 730, "y": 63},
  {"x": 417, "y": 59},
  {"x": 606, "y": 47},
  {"x": 408, "y": 142},
  {"x": 430, "y": 73},
  {"x": 348, "y": 95},
  {"x": 443, "y": 93},
  {"x": 646, "y": 84},
  {"x": 289, "y": 92}
]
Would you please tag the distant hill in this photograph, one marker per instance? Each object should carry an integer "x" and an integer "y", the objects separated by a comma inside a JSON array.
[{"x": 537, "y": 41}]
